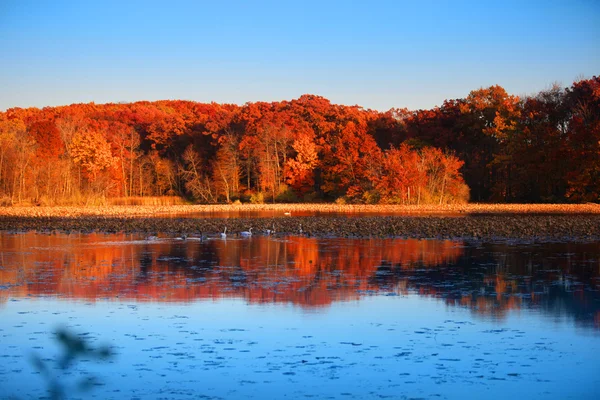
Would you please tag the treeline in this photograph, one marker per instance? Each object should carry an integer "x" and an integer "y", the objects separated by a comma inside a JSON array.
[{"x": 543, "y": 148}]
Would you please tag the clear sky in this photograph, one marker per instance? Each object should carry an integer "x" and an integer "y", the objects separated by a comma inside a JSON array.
[{"x": 379, "y": 54}]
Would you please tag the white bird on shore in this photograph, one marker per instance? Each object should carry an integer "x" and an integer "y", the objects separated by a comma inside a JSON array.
[
  {"x": 271, "y": 231},
  {"x": 246, "y": 233},
  {"x": 224, "y": 234}
]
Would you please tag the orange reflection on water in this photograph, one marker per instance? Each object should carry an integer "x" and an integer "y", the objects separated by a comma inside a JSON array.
[
  {"x": 490, "y": 280},
  {"x": 299, "y": 270}
]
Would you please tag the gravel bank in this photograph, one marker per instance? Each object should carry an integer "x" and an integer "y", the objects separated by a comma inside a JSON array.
[{"x": 479, "y": 227}]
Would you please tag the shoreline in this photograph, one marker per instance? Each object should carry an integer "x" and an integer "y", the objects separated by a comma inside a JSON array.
[{"x": 536, "y": 228}]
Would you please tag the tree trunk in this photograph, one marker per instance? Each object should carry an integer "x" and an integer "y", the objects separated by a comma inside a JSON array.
[{"x": 443, "y": 188}]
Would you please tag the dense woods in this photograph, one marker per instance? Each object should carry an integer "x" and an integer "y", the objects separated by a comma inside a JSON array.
[{"x": 489, "y": 146}]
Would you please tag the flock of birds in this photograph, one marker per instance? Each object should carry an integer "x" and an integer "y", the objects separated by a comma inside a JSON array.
[{"x": 223, "y": 235}]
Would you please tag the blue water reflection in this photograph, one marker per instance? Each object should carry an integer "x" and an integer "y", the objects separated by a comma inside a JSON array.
[{"x": 298, "y": 317}]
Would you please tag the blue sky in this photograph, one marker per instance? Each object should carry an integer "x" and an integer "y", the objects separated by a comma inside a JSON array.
[{"x": 379, "y": 54}]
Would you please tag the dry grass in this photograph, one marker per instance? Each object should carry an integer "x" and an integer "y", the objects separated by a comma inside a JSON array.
[
  {"x": 147, "y": 201},
  {"x": 156, "y": 207}
]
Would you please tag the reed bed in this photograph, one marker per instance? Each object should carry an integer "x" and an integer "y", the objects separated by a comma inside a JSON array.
[
  {"x": 168, "y": 209},
  {"x": 147, "y": 201},
  {"x": 491, "y": 223}
]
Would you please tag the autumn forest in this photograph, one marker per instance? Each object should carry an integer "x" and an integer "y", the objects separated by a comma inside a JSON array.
[{"x": 488, "y": 147}]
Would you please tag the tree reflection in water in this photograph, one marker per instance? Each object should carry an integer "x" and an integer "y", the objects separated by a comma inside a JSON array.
[{"x": 561, "y": 280}]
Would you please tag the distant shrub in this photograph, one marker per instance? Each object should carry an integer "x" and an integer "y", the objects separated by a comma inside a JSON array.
[
  {"x": 45, "y": 201},
  {"x": 371, "y": 197},
  {"x": 394, "y": 199},
  {"x": 287, "y": 196},
  {"x": 95, "y": 201},
  {"x": 311, "y": 197},
  {"x": 257, "y": 198},
  {"x": 246, "y": 196},
  {"x": 461, "y": 194}
]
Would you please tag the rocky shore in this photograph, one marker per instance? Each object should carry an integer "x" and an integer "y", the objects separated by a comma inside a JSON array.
[{"x": 529, "y": 227}]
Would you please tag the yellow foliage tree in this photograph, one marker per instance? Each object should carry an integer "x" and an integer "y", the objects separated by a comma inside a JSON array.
[{"x": 91, "y": 150}]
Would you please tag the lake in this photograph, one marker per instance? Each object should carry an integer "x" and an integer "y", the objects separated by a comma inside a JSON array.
[{"x": 299, "y": 317}]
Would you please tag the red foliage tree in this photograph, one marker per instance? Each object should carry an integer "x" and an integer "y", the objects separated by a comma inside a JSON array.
[{"x": 47, "y": 136}]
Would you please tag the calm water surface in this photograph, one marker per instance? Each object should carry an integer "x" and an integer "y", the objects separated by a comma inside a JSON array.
[{"x": 297, "y": 317}]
